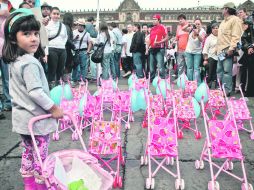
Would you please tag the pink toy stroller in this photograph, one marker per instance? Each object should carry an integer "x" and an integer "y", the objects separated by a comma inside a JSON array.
[
  {"x": 66, "y": 157},
  {"x": 107, "y": 91},
  {"x": 222, "y": 142},
  {"x": 105, "y": 140},
  {"x": 162, "y": 145},
  {"x": 70, "y": 106},
  {"x": 122, "y": 108},
  {"x": 185, "y": 114},
  {"x": 92, "y": 111},
  {"x": 157, "y": 107},
  {"x": 190, "y": 88},
  {"x": 216, "y": 102},
  {"x": 241, "y": 113}
]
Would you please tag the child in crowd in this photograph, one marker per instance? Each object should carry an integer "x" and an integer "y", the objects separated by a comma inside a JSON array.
[{"x": 29, "y": 91}]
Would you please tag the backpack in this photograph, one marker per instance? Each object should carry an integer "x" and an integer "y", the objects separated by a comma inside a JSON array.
[{"x": 97, "y": 56}]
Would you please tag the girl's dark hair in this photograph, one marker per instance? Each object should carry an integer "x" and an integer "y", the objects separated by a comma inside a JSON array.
[
  {"x": 104, "y": 28},
  {"x": 11, "y": 50},
  {"x": 137, "y": 25},
  {"x": 124, "y": 31},
  {"x": 68, "y": 19},
  {"x": 232, "y": 11}
]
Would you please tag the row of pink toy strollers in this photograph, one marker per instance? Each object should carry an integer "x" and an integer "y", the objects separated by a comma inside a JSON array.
[{"x": 167, "y": 115}]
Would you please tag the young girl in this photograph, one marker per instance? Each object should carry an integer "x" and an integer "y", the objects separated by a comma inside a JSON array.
[{"x": 29, "y": 91}]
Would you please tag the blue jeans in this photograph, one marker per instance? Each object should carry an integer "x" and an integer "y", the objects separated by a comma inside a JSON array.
[
  {"x": 137, "y": 61},
  {"x": 93, "y": 69},
  {"x": 106, "y": 63},
  {"x": 83, "y": 67},
  {"x": 112, "y": 66},
  {"x": 224, "y": 73},
  {"x": 181, "y": 63},
  {"x": 5, "y": 83},
  {"x": 157, "y": 55},
  {"x": 193, "y": 63},
  {"x": 117, "y": 57}
]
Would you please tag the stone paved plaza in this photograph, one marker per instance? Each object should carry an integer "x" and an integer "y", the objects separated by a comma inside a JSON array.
[{"x": 133, "y": 143}]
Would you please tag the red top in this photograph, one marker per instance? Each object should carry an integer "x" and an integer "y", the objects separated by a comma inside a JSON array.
[
  {"x": 182, "y": 38},
  {"x": 158, "y": 33}
]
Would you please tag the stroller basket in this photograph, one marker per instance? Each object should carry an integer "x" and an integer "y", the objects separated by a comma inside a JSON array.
[{"x": 66, "y": 157}]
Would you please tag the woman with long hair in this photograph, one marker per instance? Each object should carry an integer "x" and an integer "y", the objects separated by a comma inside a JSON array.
[
  {"x": 106, "y": 37},
  {"x": 68, "y": 21}
]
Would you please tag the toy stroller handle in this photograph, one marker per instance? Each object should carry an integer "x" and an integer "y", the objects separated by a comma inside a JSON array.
[{"x": 41, "y": 117}]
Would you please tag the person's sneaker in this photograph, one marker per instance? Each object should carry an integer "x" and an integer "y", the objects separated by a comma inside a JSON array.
[
  {"x": 127, "y": 74},
  {"x": 74, "y": 84},
  {"x": 228, "y": 94},
  {"x": 2, "y": 116}
]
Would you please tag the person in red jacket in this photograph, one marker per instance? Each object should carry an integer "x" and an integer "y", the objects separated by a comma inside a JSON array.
[{"x": 158, "y": 40}]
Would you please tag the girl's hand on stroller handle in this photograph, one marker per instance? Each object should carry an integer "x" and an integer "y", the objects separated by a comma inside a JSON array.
[{"x": 56, "y": 112}]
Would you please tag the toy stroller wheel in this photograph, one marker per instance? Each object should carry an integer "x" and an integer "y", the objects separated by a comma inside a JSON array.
[
  {"x": 252, "y": 136},
  {"x": 148, "y": 183},
  {"x": 61, "y": 126},
  {"x": 152, "y": 183},
  {"x": 177, "y": 184},
  {"x": 120, "y": 182},
  {"x": 249, "y": 186},
  {"x": 57, "y": 136},
  {"x": 127, "y": 126},
  {"x": 146, "y": 160},
  {"x": 202, "y": 165},
  {"x": 123, "y": 161},
  {"x": 142, "y": 161},
  {"x": 115, "y": 182},
  {"x": 76, "y": 136},
  {"x": 230, "y": 166},
  {"x": 132, "y": 118},
  {"x": 180, "y": 135},
  {"x": 226, "y": 166},
  {"x": 197, "y": 164},
  {"x": 198, "y": 135},
  {"x": 73, "y": 137},
  {"x": 170, "y": 161},
  {"x": 215, "y": 187},
  {"x": 182, "y": 185}
]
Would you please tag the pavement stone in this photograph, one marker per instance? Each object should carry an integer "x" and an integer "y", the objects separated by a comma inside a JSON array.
[{"x": 133, "y": 143}]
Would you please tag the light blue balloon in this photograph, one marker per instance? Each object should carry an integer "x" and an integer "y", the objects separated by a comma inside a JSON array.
[
  {"x": 196, "y": 106},
  {"x": 37, "y": 3},
  {"x": 68, "y": 92},
  {"x": 134, "y": 102},
  {"x": 131, "y": 79},
  {"x": 56, "y": 94},
  {"x": 202, "y": 91},
  {"x": 181, "y": 81},
  {"x": 155, "y": 81},
  {"x": 161, "y": 88},
  {"x": 82, "y": 104},
  {"x": 114, "y": 85},
  {"x": 141, "y": 100}
]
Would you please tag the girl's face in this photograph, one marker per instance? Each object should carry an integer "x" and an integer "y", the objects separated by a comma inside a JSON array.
[
  {"x": 28, "y": 41},
  {"x": 215, "y": 30},
  {"x": 198, "y": 24},
  {"x": 245, "y": 26},
  {"x": 55, "y": 15}
]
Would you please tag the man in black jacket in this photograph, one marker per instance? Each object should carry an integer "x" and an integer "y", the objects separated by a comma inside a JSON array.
[{"x": 138, "y": 50}]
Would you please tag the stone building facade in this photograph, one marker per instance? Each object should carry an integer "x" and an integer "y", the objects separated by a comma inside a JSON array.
[{"x": 130, "y": 12}]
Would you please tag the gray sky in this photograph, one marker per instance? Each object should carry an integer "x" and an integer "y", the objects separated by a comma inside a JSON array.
[{"x": 113, "y": 4}]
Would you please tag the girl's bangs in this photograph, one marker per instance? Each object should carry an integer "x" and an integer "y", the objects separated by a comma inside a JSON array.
[{"x": 30, "y": 24}]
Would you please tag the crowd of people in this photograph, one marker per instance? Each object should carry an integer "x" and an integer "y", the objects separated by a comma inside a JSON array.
[{"x": 37, "y": 51}]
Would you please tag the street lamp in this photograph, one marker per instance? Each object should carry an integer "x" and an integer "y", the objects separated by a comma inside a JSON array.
[{"x": 98, "y": 14}]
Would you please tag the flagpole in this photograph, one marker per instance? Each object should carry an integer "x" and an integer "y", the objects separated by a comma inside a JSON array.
[{"x": 98, "y": 14}]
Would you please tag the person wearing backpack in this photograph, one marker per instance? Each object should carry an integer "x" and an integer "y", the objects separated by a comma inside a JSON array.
[
  {"x": 107, "y": 39},
  {"x": 83, "y": 45},
  {"x": 57, "y": 35}
]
